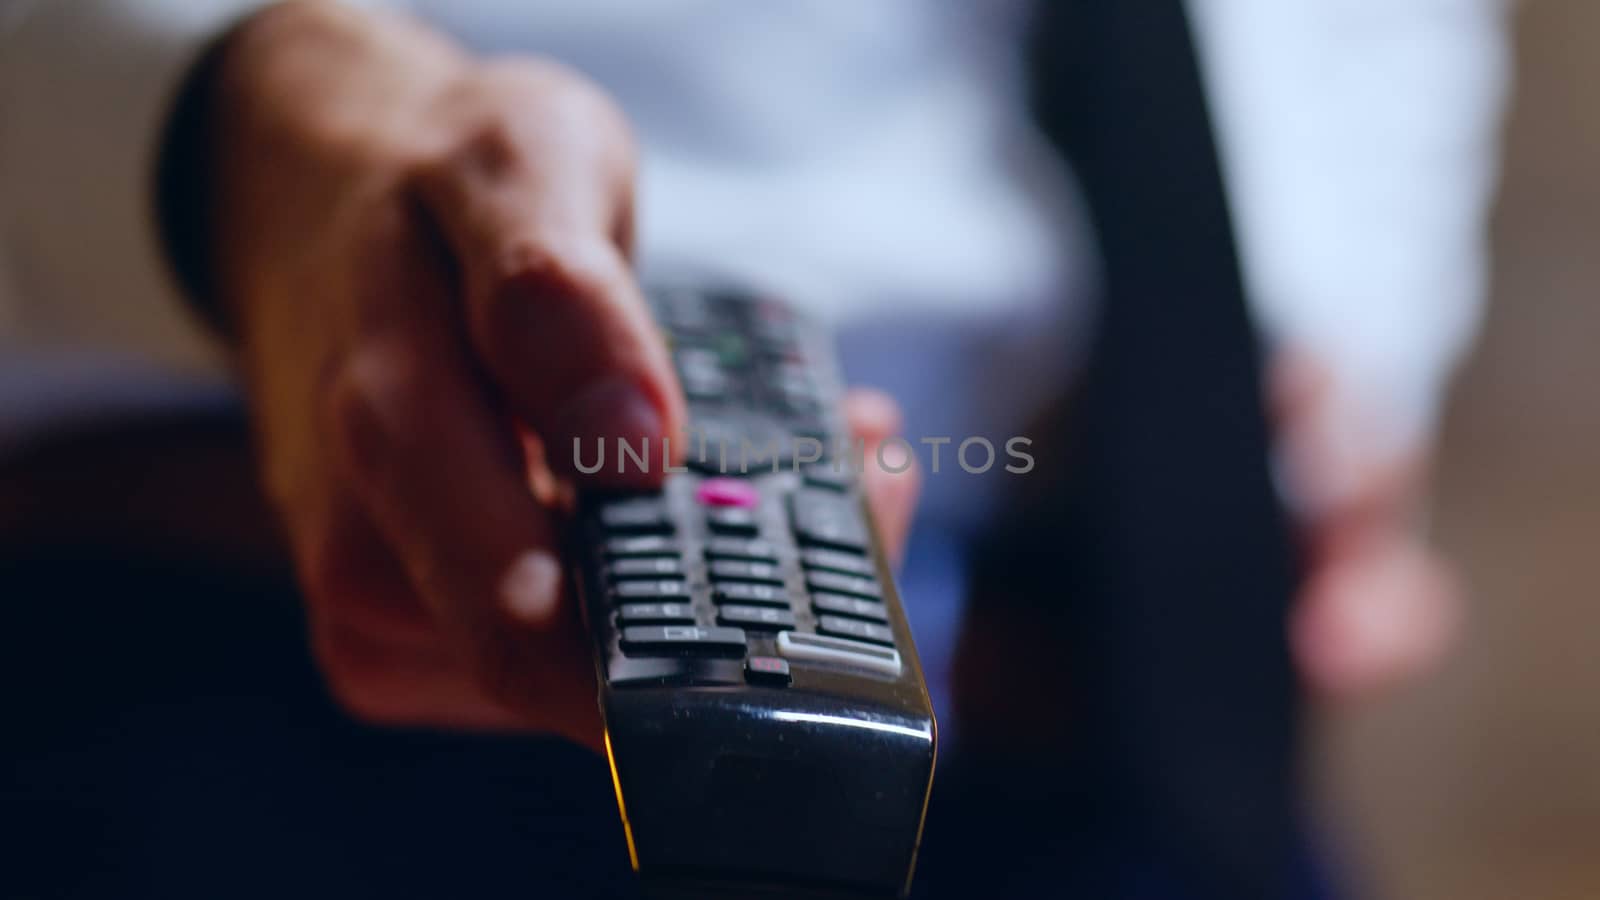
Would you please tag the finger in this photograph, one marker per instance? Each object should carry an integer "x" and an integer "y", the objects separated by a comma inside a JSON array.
[
  {"x": 535, "y": 208},
  {"x": 891, "y": 488},
  {"x": 351, "y": 576},
  {"x": 444, "y": 484},
  {"x": 427, "y": 453},
  {"x": 1373, "y": 615},
  {"x": 393, "y": 684}
]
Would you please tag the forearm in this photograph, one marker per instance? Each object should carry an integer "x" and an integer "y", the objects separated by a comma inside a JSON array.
[{"x": 1360, "y": 142}]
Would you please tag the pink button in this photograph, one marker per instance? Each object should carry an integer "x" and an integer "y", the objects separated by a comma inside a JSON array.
[{"x": 726, "y": 492}]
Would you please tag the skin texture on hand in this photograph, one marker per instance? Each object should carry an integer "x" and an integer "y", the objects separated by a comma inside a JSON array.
[{"x": 425, "y": 259}]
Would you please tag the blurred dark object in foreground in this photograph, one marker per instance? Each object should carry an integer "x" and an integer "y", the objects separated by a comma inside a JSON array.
[
  {"x": 1162, "y": 561},
  {"x": 170, "y": 737}
]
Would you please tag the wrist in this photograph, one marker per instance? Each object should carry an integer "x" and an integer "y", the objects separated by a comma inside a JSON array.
[{"x": 295, "y": 101}]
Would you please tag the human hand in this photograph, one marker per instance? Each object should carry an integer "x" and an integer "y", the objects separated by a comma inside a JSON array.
[
  {"x": 1375, "y": 603},
  {"x": 424, "y": 258},
  {"x": 1378, "y": 603}
]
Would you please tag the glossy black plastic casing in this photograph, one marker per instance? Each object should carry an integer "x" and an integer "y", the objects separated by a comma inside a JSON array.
[
  {"x": 822, "y": 783},
  {"x": 732, "y": 788}
]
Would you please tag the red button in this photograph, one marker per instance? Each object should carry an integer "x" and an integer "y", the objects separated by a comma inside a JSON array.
[
  {"x": 727, "y": 492},
  {"x": 766, "y": 670}
]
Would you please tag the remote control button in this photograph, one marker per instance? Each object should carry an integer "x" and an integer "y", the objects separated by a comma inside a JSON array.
[
  {"x": 791, "y": 391},
  {"x": 644, "y": 567},
  {"x": 666, "y": 589},
  {"x": 767, "y": 670},
  {"x": 812, "y": 427},
  {"x": 727, "y": 492},
  {"x": 834, "y": 561},
  {"x": 700, "y": 372},
  {"x": 774, "y": 328},
  {"x": 714, "y": 445},
  {"x": 839, "y": 604},
  {"x": 732, "y": 520},
  {"x": 792, "y": 404},
  {"x": 827, "y": 520},
  {"x": 838, "y": 626},
  {"x": 821, "y": 648},
  {"x": 685, "y": 311},
  {"x": 641, "y": 515},
  {"x": 701, "y": 375},
  {"x": 664, "y": 670},
  {"x": 790, "y": 377},
  {"x": 815, "y": 430},
  {"x": 798, "y": 405},
  {"x": 698, "y": 359},
  {"x": 656, "y": 614},
  {"x": 704, "y": 386},
  {"x": 823, "y": 475},
  {"x": 732, "y": 350},
  {"x": 833, "y": 582},
  {"x": 644, "y": 545},
  {"x": 737, "y": 445},
  {"x": 751, "y": 549},
  {"x": 739, "y": 570},
  {"x": 745, "y": 592},
  {"x": 683, "y": 639},
  {"x": 755, "y": 618},
  {"x": 764, "y": 455}
]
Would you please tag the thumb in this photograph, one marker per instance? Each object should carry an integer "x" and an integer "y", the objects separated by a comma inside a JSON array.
[
  {"x": 535, "y": 207},
  {"x": 891, "y": 489}
]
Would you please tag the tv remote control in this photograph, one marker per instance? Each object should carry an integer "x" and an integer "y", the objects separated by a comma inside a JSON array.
[{"x": 767, "y": 723}]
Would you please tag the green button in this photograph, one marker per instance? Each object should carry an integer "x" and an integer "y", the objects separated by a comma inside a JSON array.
[{"x": 731, "y": 348}]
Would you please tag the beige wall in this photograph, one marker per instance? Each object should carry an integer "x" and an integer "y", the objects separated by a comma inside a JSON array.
[{"x": 1485, "y": 781}]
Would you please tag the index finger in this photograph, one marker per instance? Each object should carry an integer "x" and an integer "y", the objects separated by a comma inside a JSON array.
[{"x": 426, "y": 450}]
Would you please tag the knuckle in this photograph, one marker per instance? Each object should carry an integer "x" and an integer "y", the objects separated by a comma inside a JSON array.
[
  {"x": 559, "y": 263},
  {"x": 487, "y": 150},
  {"x": 512, "y": 107},
  {"x": 493, "y": 146},
  {"x": 365, "y": 407},
  {"x": 557, "y": 279},
  {"x": 353, "y": 421}
]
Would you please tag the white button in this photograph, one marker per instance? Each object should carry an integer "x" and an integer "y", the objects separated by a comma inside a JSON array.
[{"x": 838, "y": 650}]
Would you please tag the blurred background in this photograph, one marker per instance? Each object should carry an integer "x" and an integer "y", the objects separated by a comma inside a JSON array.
[{"x": 1484, "y": 781}]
